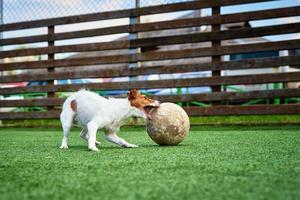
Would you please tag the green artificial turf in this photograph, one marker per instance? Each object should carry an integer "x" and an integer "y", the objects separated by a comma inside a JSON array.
[
  {"x": 202, "y": 120},
  {"x": 212, "y": 163}
]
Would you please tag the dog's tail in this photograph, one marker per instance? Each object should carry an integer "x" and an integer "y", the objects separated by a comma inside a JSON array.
[
  {"x": 69, "y": 110},
  {"x": 66, "y": 117}
]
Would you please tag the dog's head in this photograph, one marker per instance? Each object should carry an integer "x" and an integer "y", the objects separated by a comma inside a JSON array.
[{"x": 142, "y": 104}]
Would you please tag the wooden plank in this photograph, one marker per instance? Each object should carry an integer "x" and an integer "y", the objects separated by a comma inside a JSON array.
[
  {"x": 205, "y": 97},
  {"x": 112, "y": 45},
  {"x": 218, "y": 35},
  {"x": 69, "y": 62},
  {"x": 192, "y": 5},
  {"x": 30, "y": 115},
  {"x": 287, "y": 109},
  {"x": 66, "y": 35},
  {"x": 222, "y": 96},
  {"x": 163, "y": 55},
  {"x": 258, "y": 63},
  {"x": 190, "y": 82},
  {"x": 43, "y": 102},
  {"x": 253, "y": 63},
  {"x": 207, "y": 36},
  {"x": 218, "y": 19}
]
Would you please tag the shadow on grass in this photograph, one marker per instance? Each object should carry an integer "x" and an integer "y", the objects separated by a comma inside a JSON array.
[
  {"x": 148, "y": 146},
  {"x": 163, "y": 146}
]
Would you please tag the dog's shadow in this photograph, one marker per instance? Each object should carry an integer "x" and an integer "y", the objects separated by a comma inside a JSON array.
[
  {"x": 148, "y": 146},
  {"x": 84, "y": 147}
]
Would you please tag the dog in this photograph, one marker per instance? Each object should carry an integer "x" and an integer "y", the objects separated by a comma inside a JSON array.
[{"x": 93, "y": 112}]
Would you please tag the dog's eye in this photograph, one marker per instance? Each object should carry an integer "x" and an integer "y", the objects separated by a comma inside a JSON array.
[{"x": 145, "y": 97}]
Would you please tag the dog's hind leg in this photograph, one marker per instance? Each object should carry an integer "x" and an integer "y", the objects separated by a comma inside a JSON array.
[
  {"x": 111, "y": 136},
  {"x": 84, "y": 135},
  {"x": 92, "y": 131},
  {"x": 66, "y": 119}
]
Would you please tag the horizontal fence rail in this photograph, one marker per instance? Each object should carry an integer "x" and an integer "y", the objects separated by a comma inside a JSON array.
[{"x": 165, "y": 48}]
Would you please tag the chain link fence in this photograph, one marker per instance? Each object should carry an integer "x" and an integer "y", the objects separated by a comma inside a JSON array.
[{"x": 12, "y": 11}]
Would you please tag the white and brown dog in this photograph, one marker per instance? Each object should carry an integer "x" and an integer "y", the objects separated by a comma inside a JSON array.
[{"x": 93, "y": 112}]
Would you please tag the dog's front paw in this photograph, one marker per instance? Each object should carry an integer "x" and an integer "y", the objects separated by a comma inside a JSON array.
[
  {"x": 94, "y": 149},
  {"x": 64, "y": 146},
  {"x": 131, "y": 146}
]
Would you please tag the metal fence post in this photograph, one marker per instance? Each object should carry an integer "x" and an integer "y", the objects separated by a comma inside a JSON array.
[
  {"x": 134, "y": 51},
  {"x": 1, "y": 12},
  {"x": 1, "y": 33},
  {"x": 133, "y": 20},
  {"x": 1, "y": 20}
]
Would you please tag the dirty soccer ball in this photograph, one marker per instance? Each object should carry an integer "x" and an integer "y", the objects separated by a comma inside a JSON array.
[{"x": 169, "y": 124}]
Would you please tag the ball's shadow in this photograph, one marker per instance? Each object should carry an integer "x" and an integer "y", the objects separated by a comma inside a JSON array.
[{"x": 162, "y": 146}]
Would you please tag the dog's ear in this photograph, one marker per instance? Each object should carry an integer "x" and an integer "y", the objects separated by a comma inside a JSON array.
[{"x": 132, "y": 94}]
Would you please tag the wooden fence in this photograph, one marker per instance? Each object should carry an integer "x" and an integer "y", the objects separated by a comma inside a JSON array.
[{"x": 219, "y": 101}]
